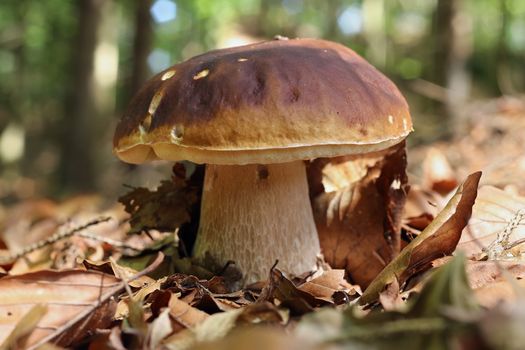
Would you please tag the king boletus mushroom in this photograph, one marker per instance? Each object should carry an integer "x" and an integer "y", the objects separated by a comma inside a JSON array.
[{"x": 253, "y": 114}]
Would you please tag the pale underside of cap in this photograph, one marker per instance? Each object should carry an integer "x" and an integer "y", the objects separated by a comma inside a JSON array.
[{"x": 270, "y": 102}]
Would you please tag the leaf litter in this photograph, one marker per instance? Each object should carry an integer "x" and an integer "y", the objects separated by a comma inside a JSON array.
[{"x": 431, "y": 277}]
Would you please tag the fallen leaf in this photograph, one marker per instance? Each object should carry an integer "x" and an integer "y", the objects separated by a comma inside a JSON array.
[
  {"x": 165, "y": 209},
  {"x": 329, "y": 282},
  {"x": 440, "y": 317},
  {"x": 390, "y": 297},
  {"x": 184, "y": 314},
  {"x": 66, "y": 295},
  {"x": 438, "y": 239},
  {"x": 25, "y": 326},
  {"x": 481, "y": 273},
  {"x": 288, "y": 295},
  {"x": 159, "y": 329},
  {"x": 113, "y": 268},
  {"x": 496, "y": 227},
  {"x": 359, "y": 225},
  {"x": 494, "y": 293}
]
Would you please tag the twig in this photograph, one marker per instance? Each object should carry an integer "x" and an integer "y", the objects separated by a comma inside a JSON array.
[
  {"x": 55, "y": 238},
  {"x": 110, "y": 241}
]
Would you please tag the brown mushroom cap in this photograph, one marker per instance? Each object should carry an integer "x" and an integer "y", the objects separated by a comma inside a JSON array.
[{"x": 270, "y": 102}]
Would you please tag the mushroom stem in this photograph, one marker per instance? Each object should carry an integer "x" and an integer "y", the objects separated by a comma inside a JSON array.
[{"x": 255, "y": 215}]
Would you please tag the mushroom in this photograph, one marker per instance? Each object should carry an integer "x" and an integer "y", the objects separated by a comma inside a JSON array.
[{"x": 253, "y": 114}]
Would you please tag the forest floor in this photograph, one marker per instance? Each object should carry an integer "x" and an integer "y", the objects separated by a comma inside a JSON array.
[{"x": 85, "y": 274}]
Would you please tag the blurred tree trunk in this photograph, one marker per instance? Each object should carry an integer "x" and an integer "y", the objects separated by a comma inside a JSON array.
[
  {"x": 78, "y": 143},
  {"x": 453, "y": 46},
  {"x": 503, "y": 71},
  {"x": 141, "y": 46}
]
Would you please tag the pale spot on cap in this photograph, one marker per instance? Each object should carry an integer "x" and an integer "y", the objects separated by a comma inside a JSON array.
[
  {"x": 203, "y": 73},
  {"x": 396, "y": 184},
  {"x": 405, "y": 124},
  {"x": 168, "y": 74},
  {"x": 242, "y": 59},
  {"x": 155, "y": 101},
  {"x": 391, "y": 119},
  {"x": 177, "y": 133}
]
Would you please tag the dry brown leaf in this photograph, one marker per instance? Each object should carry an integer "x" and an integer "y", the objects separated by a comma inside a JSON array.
[
  {"x": 422, "y": 201},
  {"x": 325, "y": 285},
  {"x": 498, "y": 222},
  {"x": 166, "y": 208},
  {"x": 66, "y": 294},
  {"x": 113, "y": 268},
  {"x": 184, "y": 315},
  {"x": 390, "y": 298},
  {"x": 359, "y": 225},
  {"x": 494, "y": 293},
  {"x": 481, "y": 273},
  {"x": 122, "y": 310},
  {"x": 159, "y": 329},
  {"x": 493, "y": 281},
  {"x": 438, "y": 239},
  {"x": 445, "y": 239}
]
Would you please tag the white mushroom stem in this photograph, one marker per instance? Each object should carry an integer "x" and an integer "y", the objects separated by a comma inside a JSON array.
[{"x": 255, "y": 215}]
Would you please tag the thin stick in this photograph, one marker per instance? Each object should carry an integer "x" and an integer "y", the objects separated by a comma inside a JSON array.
[
  {"x": 50, "y": 240},
  {"x": 110, "y": 241}
]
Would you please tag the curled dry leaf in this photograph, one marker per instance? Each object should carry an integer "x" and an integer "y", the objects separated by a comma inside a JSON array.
[
  {"x": 288, "y": 295},
  {"x": 438, "y": 239},
  {"x": 390, "y": 298},
  {"x": 166, "y": 208},
  {"x": 497, "y": 226},
  {"x": 183, "y": 314},
  {"x": 66, "y": 294},
  {"x": 329, "y": 282},
  {"x": 327, "y": 289},
  {"x": 217, "y": 326},
  {"x": 111, "y": 267},
  {"x": 359, "y": 225}
]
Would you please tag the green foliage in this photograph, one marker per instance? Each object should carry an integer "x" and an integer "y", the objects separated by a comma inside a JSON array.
[
  {"x": 38, "y": 54},
  {"x": 442, "y": 316}
]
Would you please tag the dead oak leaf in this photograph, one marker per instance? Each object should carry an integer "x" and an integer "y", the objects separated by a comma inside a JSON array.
[
  {"x": 66, "y": 295},
  {"x": 497, "y": 226},
  {"x": 359, "y": 225},
  {"x": 438, "y": 239},
  {"x": 327, "y": 284},
  {"x": 164, "y": 209}
]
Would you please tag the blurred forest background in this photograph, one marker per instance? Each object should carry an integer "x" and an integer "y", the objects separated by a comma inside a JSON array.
[{"x": 69, "y": 67}]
